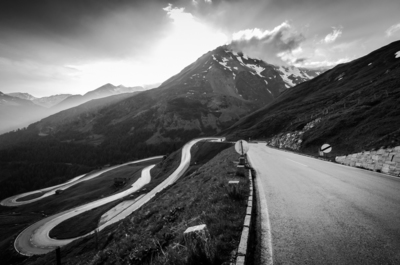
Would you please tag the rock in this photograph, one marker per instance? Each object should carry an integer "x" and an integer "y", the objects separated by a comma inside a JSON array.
[{"x": 198, "y": 242}]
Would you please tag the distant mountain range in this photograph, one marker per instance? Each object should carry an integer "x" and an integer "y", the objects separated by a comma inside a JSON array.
[
  {"x": 204, "y": 98},
  {"x": 20, "y": 109},
  {"x": 46, "y": 102}
]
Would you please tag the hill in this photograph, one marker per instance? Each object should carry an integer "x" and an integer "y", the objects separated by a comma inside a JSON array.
[
  {"x": 101, "y": 92},
  {"x": 354, "y": 106},
  {"x": 16, "y": 112},
  {"x": 46, "y": 102}
]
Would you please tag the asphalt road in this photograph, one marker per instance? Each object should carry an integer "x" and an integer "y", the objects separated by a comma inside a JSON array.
[
  {"x": 317, "y": 212},
  {"x": 36, "y": 240},
  {"x": 13, "y": 200}
]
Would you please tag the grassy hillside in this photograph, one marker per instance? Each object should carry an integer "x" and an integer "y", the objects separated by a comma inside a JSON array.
[
  {"x": 358, "y": 103},
  {"x": 154, "y": 234}
]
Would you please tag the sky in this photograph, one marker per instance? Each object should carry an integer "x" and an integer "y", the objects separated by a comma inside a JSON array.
[{"x": 74, "y": 46}]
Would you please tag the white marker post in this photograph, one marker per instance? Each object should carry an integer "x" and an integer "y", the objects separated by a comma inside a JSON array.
[{"x": 241, "y": 147}]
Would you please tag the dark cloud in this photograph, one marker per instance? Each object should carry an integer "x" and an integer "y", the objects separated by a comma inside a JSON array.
[
  {"x": 268, "y": 45},
  {"x": 78, "y": 29},
  {"x": 300, "y": 60}
]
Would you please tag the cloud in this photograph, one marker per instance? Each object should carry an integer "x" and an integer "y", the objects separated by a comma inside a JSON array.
[
  {"x": 300, "y": 60},
  {"x": 331, "y": 37},
  {"x": 392, "y": 29},
  {"x": 324, "y": 63},
  {"x": 270, "y": 45}
]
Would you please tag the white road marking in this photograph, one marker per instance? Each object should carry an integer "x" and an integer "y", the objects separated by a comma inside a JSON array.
[
  {"x": 266, "y": 237},
  {"x": 296, "y": 162}
]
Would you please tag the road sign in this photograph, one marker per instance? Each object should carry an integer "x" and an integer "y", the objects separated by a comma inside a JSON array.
[
  {"x": 326, "y": 148},
  {"x": 241, "y": 147}
]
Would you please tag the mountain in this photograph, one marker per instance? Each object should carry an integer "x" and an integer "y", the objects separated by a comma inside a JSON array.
[
  {"x": 16, "y": 112},
  {"x": 20, "y": 95},
  {"x": 354, "y": 106},
  {"x": 24, "y": 113},
  {"x": 46, "y": 102},
  {"x": 101, "y": 92},
  {"x": 206, "y": 97},
  {"x": 50, "y": 101},
  {"x": 81, "y": 112}
]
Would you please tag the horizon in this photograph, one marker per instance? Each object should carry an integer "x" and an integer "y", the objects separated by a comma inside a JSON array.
[{"x": 64, "y": 47}]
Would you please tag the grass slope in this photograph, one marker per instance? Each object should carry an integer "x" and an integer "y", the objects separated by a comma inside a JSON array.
[
  {"x": 14, "y": 219},
  {"x": 154, "y": 233},
  {"x": 88, "y": 221}
]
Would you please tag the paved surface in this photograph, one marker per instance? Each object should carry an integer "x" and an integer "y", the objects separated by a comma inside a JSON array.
[
  {"x": 35, "y": 239},
  {"x": 13, "y": 200},
  {"x": 324, "y": 213}
]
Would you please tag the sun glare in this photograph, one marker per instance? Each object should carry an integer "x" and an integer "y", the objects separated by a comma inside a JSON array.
[{"x": 187, "y": 40}]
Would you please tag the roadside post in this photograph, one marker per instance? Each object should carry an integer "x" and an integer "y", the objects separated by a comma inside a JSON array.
[{"x": 241, "y": 147}]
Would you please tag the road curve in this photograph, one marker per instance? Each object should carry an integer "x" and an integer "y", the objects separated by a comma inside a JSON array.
[
  {"x": 324, "y": 213},
  {"x": 183, "y": 166},
  {"x": 35, "y": 239},
  {"x": 13, "y": 200}
]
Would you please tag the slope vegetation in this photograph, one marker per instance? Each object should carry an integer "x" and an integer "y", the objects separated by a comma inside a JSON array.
[
  {"x": 354, "y": 106},
  {"x": 153, "y": 234}
]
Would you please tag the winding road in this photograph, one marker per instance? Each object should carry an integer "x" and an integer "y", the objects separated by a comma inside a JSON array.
[
  {"x": 13, "y": 200},
  {"x": 35, "y": 239},
  {"x": 318, "y": 212}
]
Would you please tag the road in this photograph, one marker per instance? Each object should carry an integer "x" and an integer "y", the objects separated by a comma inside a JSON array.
[
  {"x": 317, "y": 212},
  {"x": 36, "y": 240},
  {"x": 13, "y": 200}
]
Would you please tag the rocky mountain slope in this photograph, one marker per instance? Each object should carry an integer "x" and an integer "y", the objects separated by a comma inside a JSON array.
[{"x": 356, "y": 106}]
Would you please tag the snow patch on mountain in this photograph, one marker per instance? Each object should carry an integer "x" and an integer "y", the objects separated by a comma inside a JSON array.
[
  {"x": 397, "y": 54},
  {"x": 256, "y": 68},
  {"x": 285, "y": 76},
  {"x": 224, "y": 63}
]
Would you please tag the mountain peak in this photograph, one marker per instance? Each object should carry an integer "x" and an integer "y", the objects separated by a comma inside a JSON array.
[{"x": 20, "y": 95}]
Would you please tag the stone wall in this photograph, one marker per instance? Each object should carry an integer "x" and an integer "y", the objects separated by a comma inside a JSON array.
[{"x": 383, "y": 160}]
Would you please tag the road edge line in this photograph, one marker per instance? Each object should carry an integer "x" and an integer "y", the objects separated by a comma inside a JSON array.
[{"x": 266, "y": 236}]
